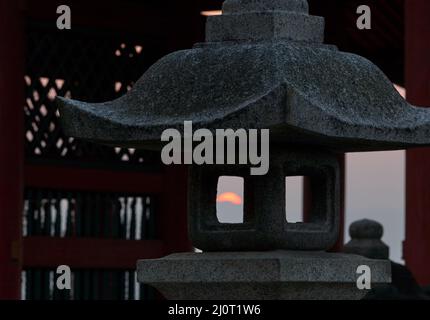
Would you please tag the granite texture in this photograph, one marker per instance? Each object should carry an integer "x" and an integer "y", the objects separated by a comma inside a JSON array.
[
  {"x": 265, "y": 26},
  {"x": 243, "y": 6},
  {"x": 309, "y": 95},
  {"x": 263, "y": 67},
  {"x": 257, "y": 20},
  {"x": 265, "y": 225},
  {"x": 366, "y": 240},
  {"x": 260, "y": 275}
]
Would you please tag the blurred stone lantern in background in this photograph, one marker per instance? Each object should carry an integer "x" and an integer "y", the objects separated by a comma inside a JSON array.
[{"x": 263, "y": 66}]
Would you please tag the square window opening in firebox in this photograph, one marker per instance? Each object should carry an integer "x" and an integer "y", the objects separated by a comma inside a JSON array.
[
  {"x": 230, "y": 200},
  {"x": 297, "y": 198}
]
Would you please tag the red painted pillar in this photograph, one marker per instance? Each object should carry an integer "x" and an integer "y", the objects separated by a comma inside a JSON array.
[
  {"x": 11, "y": 146},
  {"x": 171, "y": 216},
  {"x": 417, "y": 242}
]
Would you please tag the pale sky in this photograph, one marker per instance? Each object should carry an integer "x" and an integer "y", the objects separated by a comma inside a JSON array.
[{"x": 375, "y": 189}]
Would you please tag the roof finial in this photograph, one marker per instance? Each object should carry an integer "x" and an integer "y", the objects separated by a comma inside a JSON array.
[
  {"x": 241, "y": 6},
  {"x": 262, "y": 20},
  {"x": 366, "y": 240}
]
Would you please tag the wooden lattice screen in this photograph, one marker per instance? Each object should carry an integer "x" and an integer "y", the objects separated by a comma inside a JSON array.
[{"x": 88, "y": 206}]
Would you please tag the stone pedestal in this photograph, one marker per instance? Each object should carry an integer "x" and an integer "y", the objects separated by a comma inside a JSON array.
[{"x": 274, "y": 275}]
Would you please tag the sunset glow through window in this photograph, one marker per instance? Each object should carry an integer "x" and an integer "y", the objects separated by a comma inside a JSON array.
[{"x": 229, "y": 197}]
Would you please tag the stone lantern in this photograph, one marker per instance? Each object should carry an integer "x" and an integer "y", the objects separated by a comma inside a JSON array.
[{"x": 263, "y": 66}]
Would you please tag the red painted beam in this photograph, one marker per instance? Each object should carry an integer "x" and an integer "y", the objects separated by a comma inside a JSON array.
[
  {"x": 417, "y": 242},
  {"x": 40, "y": 252},
  {"x": 11, "y": 146},
  {"x": 78, "y": 179}
]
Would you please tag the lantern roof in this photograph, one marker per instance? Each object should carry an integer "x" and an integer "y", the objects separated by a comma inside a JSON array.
[{"x": 263, "y": 66}]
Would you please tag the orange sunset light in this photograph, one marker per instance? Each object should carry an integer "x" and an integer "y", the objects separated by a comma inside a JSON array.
[{"x": 229, "y": 197}]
